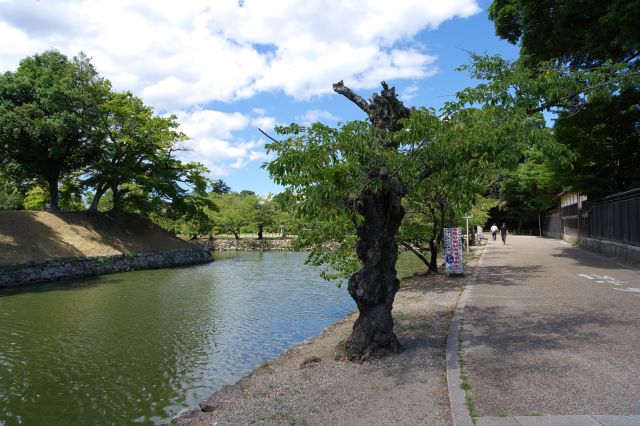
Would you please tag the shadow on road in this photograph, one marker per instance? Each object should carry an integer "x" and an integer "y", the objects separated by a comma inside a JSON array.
[
  {"x": 526, "y": 332},
  {"x": 507, "y": 275},
  {"x": 588, "y": 259}
]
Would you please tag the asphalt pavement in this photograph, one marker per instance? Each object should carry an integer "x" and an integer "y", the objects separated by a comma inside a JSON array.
[{"x": 552, "y": 330}]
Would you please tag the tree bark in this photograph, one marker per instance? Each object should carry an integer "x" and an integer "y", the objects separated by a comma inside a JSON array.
[
  {"x": 433, "y": 250},
  {"x": 260, "y": 226},
  {"x": 100, "y": 191},
  {"x": 117, "y": 201},
  {"x": 416, "y": 252},
  {"x": 52, "y": 181},
  {"x": 374, "y": 286}
]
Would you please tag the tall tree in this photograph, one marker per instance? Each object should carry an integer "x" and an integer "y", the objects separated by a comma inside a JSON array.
[
  {"x": 220, "y": 187},
  {"x": 472, "y": 145},
  {"x": 582, "y": 58},
  {"x": 358, "y": 172},
  {"x": 50, "y": 110},
  {"x": 137, "y": 164}
]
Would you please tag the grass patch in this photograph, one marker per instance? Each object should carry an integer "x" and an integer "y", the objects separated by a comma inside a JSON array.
[{"x": 466, "y": 386}]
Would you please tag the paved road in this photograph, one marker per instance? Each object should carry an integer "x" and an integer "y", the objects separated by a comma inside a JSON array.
[{"x": 552, "y": 330}]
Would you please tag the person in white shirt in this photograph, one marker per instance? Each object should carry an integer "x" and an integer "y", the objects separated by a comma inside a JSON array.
[{"x": 494, "y": 231}]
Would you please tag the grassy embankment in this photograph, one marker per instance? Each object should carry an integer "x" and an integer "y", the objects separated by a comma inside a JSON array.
[{"x": 27, "y": 236}]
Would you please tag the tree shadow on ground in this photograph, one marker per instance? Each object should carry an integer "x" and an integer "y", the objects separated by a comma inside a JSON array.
[
  {"x": 514, "y": 333},
  {"x": 29, "y": 236},
  {"x": 585, "y": 258},
  {"x": 23, "y": 238},
  {"x": 507, "y": 275}
]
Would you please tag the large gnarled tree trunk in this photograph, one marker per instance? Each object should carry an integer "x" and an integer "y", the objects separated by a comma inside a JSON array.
[{"x": 375, "y": 285}]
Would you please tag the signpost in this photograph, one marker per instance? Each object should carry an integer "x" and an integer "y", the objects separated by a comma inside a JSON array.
[
  {"x": 469, "y": 216},
  {"x": 453, "y": 251}
]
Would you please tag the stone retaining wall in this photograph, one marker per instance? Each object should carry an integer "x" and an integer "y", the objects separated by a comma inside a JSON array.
[
  {"x": 78, "y": 267},
  {"x": 257, "y": 245},
  {"x": 621, "y": 252},
  {"x": 247, "y": 245}
]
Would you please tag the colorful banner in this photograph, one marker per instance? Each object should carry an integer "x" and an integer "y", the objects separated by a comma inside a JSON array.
[{"x": 453, "y": 251}]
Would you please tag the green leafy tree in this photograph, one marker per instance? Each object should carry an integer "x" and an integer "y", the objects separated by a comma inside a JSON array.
[
  {"x": 136, "y": 166},
  {"x": 348, "y": 182},
  {"x": 265, "y": 214},
  {"x": 235, "y": 211},
  {"x": 138, "y": 143},
  {"x": 472, "y": 145},
  {"x": 13, "y": 187},
  {"x": 50, "y": 111},
  {"x": 582, "y": 60},
  {"x": 36, "y": 198},
  {"x": 530, "y": 189},
  {"x": 575, "y": 32},
  {"x": 596, "y": 110},
  {"x": 220, "y": 187},
  {"x": 604, "y": 137}
]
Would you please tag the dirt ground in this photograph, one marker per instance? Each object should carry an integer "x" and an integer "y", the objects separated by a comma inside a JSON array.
[
  {"x": 312, "y": 384},
  {"x": 27, "y": 235}
]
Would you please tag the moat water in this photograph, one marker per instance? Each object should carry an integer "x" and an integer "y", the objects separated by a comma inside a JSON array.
[{"x": 140, "y": 347}]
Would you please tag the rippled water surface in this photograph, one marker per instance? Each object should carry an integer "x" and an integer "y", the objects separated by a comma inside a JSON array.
[{"x": 142, "y": 346}]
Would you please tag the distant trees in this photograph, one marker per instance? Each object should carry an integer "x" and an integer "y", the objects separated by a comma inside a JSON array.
[{"x": 69, "y": 138}]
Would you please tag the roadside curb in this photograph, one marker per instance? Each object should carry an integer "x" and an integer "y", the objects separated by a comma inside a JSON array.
[{"x": 457, "y": 395}]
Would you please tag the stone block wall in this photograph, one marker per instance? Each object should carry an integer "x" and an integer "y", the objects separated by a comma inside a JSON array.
[
  {"x": 621, "y": 252},
  {"x": 70, "y": 268},
  {"x": 247, "y": 245}
]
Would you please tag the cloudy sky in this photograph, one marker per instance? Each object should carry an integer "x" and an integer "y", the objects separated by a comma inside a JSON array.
[{"x": 229, "y": 67}]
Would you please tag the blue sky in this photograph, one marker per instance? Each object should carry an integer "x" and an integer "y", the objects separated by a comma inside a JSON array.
[{"x": 226, "y": 68}]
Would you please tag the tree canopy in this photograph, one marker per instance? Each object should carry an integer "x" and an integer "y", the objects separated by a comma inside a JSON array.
[
  {"x": 576, "y": 32},
  {"x": 50, "y": 112},
  {"x": 578, "y": 59},
  {"x": 68, "y": 137}
]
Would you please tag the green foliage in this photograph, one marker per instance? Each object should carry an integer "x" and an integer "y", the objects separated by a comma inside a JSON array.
[
  {"x": 472, "y": 146},
  {"x": 61, "y": 125},
  {"x": 235, "y": 211},
  {"x": 41, "y": 128},
  {"x": 530, "y": 189},
  {"x": 220, "y": 187},
  {"x": 545, "y": 86},
  {"x": 604, "y": 139},
  {"x": 577, "y": 32},
  {"x": 325, "y": 170},
  {"x": 579, "y": 58},
  {"x": 12, "y": 188},
  {"x": 36, "y": 198},
  {"x": 597, "y": 126}
]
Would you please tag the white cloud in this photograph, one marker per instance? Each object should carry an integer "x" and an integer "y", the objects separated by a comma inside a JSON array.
[
  {"x": 179, "y": 54},
  {"x": 214, "y": 139},
  {"x": 409, "y": 93},
  {"x": 315, "y": 115}
]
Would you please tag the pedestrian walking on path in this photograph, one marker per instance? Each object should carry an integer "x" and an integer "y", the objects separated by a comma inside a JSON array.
[
  {"x": 494, "y": 231},
  {"x": 503, "y": 233},
  {"x": 551, "y": 337}
]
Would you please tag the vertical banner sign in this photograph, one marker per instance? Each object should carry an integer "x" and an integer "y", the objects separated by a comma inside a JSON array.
[{"x": 453, "y": 251}]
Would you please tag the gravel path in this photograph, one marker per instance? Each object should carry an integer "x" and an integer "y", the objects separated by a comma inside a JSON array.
[
  {"x": 311, "y": 385},
  {"x": 552, "y": 330}
]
